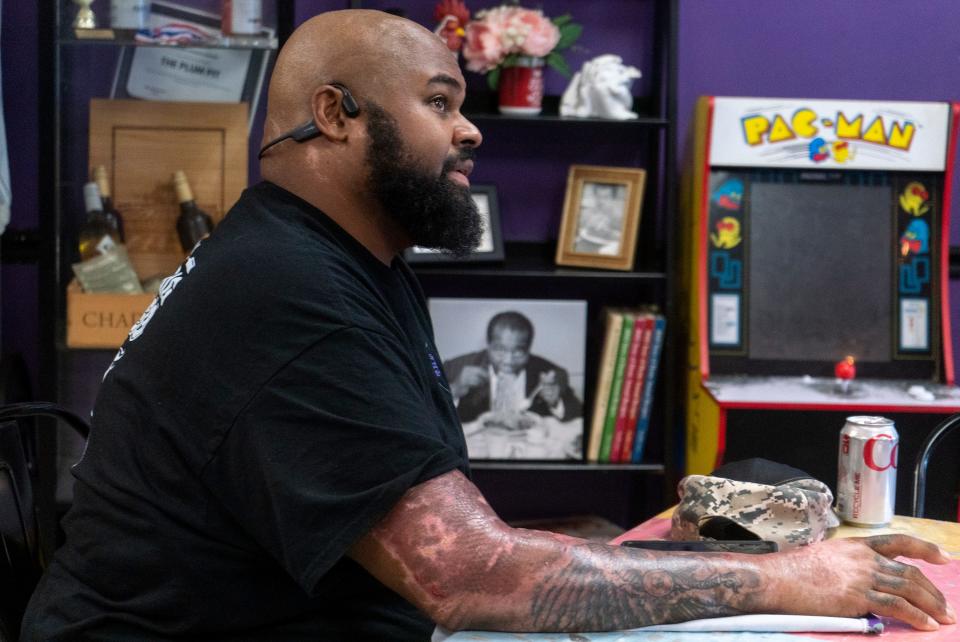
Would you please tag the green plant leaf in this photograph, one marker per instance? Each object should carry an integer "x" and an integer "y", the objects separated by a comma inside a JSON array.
[
  {"x": 510, "y": 61},
  {"x": 493, "y": 78},
  {"x": 557, "y": 61},
  {"x": 568, "y": 35},
  {"x": 562, "y": 20}
]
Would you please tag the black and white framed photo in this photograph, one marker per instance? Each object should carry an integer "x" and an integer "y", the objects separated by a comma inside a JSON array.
[
  {"x": 601, "y": 216},
  {"x": 491, "y": 243},
  {"x": 516, "y": 372}
]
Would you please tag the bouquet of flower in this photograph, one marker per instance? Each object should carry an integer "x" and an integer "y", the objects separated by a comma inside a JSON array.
[{"x": 498, "y": 37}]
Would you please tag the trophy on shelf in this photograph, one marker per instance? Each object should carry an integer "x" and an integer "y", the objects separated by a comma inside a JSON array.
[{"x": 85, "y": 18}]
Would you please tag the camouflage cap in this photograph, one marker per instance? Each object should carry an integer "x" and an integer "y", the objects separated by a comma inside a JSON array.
[{"x": 794, "y": 513}]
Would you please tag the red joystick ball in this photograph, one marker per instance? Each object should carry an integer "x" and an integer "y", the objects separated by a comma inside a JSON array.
[{"x": 846, "y": 368}]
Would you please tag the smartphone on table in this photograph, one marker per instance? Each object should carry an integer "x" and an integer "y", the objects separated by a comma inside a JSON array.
[{"x": 752, "y": 546}]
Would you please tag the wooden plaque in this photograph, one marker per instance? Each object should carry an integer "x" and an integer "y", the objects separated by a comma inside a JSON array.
[{"x": 142, "y": 143}]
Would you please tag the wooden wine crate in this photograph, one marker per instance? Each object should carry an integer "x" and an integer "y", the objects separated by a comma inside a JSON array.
[
  {"x": 101, "y": 320},
  {"x": 142, "y": 143}
]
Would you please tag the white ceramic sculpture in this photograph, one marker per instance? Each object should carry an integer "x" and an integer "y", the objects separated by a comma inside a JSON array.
[{"x": 601, "y": 89}]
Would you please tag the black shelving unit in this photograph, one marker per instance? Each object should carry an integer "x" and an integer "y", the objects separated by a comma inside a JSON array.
[{"x": 622, "y": 493}]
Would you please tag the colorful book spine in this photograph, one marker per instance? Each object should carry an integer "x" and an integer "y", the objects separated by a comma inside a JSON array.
[
  {"x": 645, "y": 324},
  {"x": 626, "y": 391},
  {"x": 608, "y": 363},
  {"x": 643, "y": 420},
  {"x": 616, "y": 388}
]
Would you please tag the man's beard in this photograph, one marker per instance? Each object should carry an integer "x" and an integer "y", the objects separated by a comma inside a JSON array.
[{"x": 431, "y": 210}]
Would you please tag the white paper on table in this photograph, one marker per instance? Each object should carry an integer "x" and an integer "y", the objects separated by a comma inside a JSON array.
[
  {"x": 738, "y": 628},
  {"x": 774, "y": 623}
]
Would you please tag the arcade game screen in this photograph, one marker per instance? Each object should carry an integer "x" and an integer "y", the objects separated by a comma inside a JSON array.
[
  {"x": 820, "y": 253},
  {"x": 820, "y": 268}
]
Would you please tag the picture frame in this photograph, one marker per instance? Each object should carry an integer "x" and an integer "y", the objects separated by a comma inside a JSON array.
[
  {"x": 516, "y": 369},
  {"x": 601, "y": 217},
  {"x": 491, "y": 244}
]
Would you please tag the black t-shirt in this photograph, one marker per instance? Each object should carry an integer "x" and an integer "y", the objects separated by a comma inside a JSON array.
[{"x": 272, "y": 405}]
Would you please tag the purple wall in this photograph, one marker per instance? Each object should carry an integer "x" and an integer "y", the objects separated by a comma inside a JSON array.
[
  {"x": 862, "y": 49},
  {"x": 18, "y": 283}
]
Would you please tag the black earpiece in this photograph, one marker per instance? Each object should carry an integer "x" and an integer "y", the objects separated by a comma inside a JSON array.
[
  {"x": 350, "y": 107},
  {"x": 309, "y": 129}
]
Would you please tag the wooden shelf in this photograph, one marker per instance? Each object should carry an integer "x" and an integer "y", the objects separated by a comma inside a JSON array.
[
  {"x": 482, "y": 106},
  {"x": 508, "y": 272},
  {"x": 565, "y": 466},
  {"x": 533, "y": 260},
  {"x": 233, "y": 42}
]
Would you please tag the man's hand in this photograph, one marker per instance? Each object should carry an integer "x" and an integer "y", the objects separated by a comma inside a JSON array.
[
  {"x": 851, "y": 577},
  {"x": 470, "y": 377}
]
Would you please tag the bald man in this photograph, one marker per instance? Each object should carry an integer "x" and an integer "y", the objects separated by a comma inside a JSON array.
[{"x": 275, "y": 453}]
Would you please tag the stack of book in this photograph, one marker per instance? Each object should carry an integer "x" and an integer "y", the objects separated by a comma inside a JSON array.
[{"x": 632, "y": 343}]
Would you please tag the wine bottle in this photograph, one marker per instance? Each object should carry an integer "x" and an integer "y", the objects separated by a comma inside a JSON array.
[
  {"x": 193, "y": 224},
  {"x": 97, "y": 235},
  {"x": 109, "y": 210}
]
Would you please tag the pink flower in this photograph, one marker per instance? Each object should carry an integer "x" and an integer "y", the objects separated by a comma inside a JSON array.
[
  {"x": 539, "y": 34},
  {"x": 482, "y": 46},
  {"x": 496, "y": 33}
]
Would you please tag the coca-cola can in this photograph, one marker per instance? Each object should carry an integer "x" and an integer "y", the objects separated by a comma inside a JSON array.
[{"x": 867, "y": 471}]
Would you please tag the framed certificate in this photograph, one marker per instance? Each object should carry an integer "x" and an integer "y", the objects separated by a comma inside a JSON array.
[{"x": 193, "y": 74}]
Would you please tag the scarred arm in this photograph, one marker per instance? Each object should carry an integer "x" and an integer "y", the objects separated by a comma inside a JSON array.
[{"x": 444, "y": 550}]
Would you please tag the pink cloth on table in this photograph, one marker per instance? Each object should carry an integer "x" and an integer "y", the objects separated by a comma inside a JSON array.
[
  {"x": 945, "y": 577},
  {"x": 653, "y": 528}
]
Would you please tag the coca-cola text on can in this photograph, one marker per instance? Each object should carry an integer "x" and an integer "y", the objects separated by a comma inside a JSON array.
[{"x": 867, "y": 471}]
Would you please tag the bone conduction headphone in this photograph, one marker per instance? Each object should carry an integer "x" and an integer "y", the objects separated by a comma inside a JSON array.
[{"x": 309, "y": 129}]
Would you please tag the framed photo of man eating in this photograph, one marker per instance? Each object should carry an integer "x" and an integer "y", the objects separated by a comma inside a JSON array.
[{"x": 515, "y": 369}]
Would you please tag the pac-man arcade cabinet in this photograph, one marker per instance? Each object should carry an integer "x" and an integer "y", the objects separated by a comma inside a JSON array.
[{"x": 817, "y": 230}]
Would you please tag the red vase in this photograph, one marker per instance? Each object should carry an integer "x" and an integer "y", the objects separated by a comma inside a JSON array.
[{"x": 521, "y": 87}]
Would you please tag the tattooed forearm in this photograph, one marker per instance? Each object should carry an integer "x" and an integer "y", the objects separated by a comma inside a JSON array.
[
  {"x": 445, "y": 550},
  {"x": 602, "y": 588}
]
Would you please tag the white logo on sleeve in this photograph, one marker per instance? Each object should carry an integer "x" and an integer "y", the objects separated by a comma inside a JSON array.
[{"x": 167, "y": 286}]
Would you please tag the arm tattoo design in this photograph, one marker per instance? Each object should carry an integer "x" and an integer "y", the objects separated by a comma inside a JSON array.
[
  {"x": 602, "y": 588},
  {"x": 457, "y": 561}
]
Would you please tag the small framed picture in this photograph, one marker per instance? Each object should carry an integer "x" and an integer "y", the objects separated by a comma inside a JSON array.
[
  {"x": 601, "y": 216},
  {"x": 515, "y": 368},
  {"x": 491, "y": 243}
]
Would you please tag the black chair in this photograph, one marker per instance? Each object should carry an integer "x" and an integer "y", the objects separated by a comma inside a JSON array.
[
  {"x": 21, "y": 562},
  {"x": 923, "y": 458}
]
